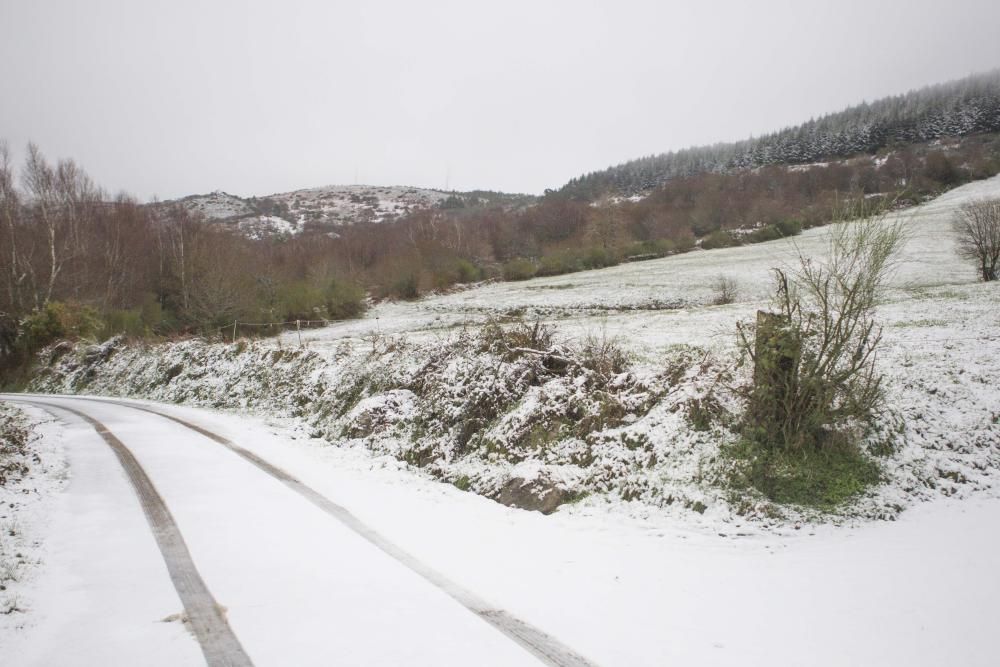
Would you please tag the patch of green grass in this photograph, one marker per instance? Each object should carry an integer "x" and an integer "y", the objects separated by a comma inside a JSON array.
[
  {"x": 822, "y": 479},
  {"x": 543, "y": 434},
  {"x": 602, "y": 412},
  {"x": 703, "y": 412},
  {"x": 560, "y": 286},
  {"x": 921, "y": 323},
  {"x": 935, "y": 292}
]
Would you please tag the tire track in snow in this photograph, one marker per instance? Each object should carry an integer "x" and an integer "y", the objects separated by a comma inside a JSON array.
[
  {"x": 543, "y": 646},
  {"x": 218, "y": 643}
]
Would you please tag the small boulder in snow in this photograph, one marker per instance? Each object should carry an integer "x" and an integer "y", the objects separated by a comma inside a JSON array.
[{"x": 539, "y": 495}]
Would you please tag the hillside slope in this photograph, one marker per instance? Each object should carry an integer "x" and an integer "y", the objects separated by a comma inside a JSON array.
[{"x": 957, "y": 108}]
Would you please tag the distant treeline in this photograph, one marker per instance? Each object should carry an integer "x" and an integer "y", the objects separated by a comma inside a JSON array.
[
  {"x": 78, "y": 263},
  {"x": 435, "y": 249},
  {"x": 958, "y": 108},
  {"x": 75, "y": 262}
]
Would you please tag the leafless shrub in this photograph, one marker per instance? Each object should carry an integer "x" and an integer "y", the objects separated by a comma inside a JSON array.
[
  {"x": 814, "y": 359},
  {"x": 382, "y": 343},
  {"x": 515, "y": 339},
  {"x": 597, "y": 352},
  {"x": 724, "y": 290},
  {"x": 602, "y": 354},
  {"x": 977, "y": 226}
]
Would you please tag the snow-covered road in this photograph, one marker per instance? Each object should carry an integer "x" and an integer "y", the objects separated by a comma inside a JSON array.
[{"x": 299, "y": 587}]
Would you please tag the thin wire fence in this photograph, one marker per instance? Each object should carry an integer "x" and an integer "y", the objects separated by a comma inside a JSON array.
[{"x": 233, "y": 330}]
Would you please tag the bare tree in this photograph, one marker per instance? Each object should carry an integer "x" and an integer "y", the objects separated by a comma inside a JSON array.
[
  {"x": 220, "y": 283},
  {"x": 62, "y": 201},
  {"x": 178, "y": 234},
  {"x": 977, "y": 225},
  {"x": 605, "y": 228},
  {"x": 14, "y": 272},
  {"x": 121, "y": 273}
]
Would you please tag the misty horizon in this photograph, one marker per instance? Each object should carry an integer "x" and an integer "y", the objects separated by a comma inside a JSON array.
[{"x": 254, "y": 100}]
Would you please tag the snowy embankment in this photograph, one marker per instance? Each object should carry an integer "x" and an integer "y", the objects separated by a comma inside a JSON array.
[
  {"x": 427, "y": 384},
  {"x": 32, "y": 470}
]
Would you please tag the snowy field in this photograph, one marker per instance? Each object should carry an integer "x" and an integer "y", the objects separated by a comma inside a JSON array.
[{"x": 663, "y": 302}]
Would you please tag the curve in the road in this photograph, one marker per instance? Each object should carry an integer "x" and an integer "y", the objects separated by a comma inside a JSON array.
[
  {"x": 540, "y": 644},
  {"x": 219, "y": 644}
]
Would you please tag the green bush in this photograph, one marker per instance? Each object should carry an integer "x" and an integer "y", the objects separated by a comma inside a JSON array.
[
  {"x": 768, "y": 233},
  {"x": 467, "y": 272},
  {"x": 789, "y": 227},
  {"x": 558, "y": 263},
  {"x": 452, "y": 272},
  {"x": 299, "y": 301},
  {"x": 58, "y": 320},
  {"x": 407, "y": 287},
  {"x": 684, "y": 243},
  {"x": 344, "y": 300},
  {"x": 127, "y": 322},
  {"x": 519, "y": 269},
  {"x": 778, "y": 230},
  {"x": 152, "y": 314},
  {"x": 568, "y": 261},
  {"x": 598, "y": 258},
  {"x": 719, "y": 239},
  {"x": 659, "y": 247}
]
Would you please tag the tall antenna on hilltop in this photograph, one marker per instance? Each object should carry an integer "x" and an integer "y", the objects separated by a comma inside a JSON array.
[
  {"x": 355, "y": 174},
  {"x": 447, "y": 178}
]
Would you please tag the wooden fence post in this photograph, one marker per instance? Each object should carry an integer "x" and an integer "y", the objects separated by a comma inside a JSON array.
[{"x": 776, "y": 348}]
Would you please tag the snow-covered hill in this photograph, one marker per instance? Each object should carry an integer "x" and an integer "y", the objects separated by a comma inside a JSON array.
[
  {"x": 245, "y": 215},
  {"x": 217, "y": 205},
  {"x": 323, "y": 209},
  {"x": 349, "y": 204}
]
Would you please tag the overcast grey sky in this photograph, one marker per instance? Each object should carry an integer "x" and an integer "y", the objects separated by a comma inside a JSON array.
[{"x": 178, "y": 97}]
